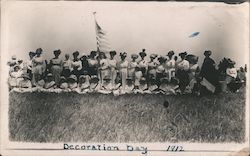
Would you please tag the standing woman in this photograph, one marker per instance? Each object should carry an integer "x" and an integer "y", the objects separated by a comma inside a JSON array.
[
  {"x": 143, "y": 63},
  {"x": 160, "y": 70},
  {"x": 76, "y": 65},
  {"x": 93, "y": 64},
  {"x": 38, "y": 66},
  {"x": 67, "y": 67},
  {"x": 104, "y": 67},
  {"x": 170, "y": 66},
  {"x": 29, "y": 64},
  {"x": 112, "y": 68},
  {"x": 131, "y": 67},
  {"x": 152, "y": 64},
  {"x": 208, "y": 70},
  {"x": 56, "y": 67},
  {"x": 182, "y": 72},
  {"x": 123, "y": 69}
]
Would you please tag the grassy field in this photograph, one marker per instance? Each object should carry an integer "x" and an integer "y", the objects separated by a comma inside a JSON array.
[{"x": 70, "y": 117}]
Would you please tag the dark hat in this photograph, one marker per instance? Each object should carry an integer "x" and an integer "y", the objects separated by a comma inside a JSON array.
[
  {"x": 81, "y": 77},
  {"x": 16, "y": 66},
  {"x": 183, "y": 54},
  {"x": 39, "y": 50},
  {"x": 153, "y": 56},
  {"x": 207, "y": 53},
  {"x": 76, "y": 53},
  {"x": 170, "y": 53},
  {"x": 161, "y": 59},
  {"x": 32, "y": 53},
  {"x": 93, "y": 53},
  {"x": 123, "y": 54},
  {"x": 134, "y": 56},
  {"x": 94, "y": 78},
  {"x": 231, "y": 62},
  {"x": 19, "y": 60},
  {"x": 57, "y": 51},
  {"x": 142, "y": 53},
  {"x": 112, "y": 52}
]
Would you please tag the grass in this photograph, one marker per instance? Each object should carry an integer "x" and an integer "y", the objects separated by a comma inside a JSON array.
[{"x": 71, "y": 117}]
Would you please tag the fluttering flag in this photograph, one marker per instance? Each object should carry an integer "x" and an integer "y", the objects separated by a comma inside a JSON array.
[
  {"x": 194, "y": 34},
  {"x": 103, "y": 44}
]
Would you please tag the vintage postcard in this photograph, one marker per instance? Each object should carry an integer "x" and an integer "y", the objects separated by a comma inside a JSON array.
[{"x": 124, "y": 78}]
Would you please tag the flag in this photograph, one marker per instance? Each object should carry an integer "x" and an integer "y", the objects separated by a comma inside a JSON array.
[
  {"x": 208, "y": 85},
  {"x": 102, "y": 41}
]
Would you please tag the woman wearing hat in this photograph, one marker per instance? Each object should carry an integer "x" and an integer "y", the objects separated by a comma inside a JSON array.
[
  {"x": 49, "y": 82},
  {"x": 170, "y": 65},
  {"x": 29, "y": 63},
  {"x": 208, "y": 69},
  {"x": 84, "y": 83},
  {"x": 123, "y": 69},
  {"x": 63, "y": 84},
  {"x": 152, "y": 65},
  {"x": 38, "y": 66},
  {"x": 93, "y": 63},
  {"x": 160, "y": 70},
  {"x": 76, "y": 65},
  {"x": 56, "y": 66},
  {"x": 143, "y": 64},
  {"x": 103, "y": 66},
  {"x": 131, "y": 67},
  {"x": 67, "y": 67},
  {"x": 182, "y": 72},
  {"x": 112, "y": 67},
  {"x": 85, "y": 63},
  {"x": 94, "y": 84},
  {"x": 231, "y": 72}
]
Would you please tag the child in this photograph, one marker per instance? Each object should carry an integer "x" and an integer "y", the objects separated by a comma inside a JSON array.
[
  {"x": 49, "y": 83},
  {"x": 72, "y": 81},
  {"x": 63, "y": 84},
  {"x": 15, "y": 76},
  {"x": 94, "y": 85}
]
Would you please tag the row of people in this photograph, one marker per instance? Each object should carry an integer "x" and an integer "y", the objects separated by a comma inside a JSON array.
[{"x": 185, "y": 70}]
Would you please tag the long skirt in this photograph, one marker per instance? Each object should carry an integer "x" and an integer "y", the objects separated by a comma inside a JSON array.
[
  {"x": 113, "y": 75},
  {"x": 123, "y": 75},
  {"x": 183, "y": 77},
  {"x": 37, "y": 73},
  {"x": 103, "y": 74},
  {"x": 56, "y": 73},
  {"x": 66, "y": 73},
  {"x": 159, "y": 76}
]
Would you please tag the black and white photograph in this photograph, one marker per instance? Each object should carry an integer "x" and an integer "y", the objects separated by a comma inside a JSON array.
[{"x": 95, "y": 75}]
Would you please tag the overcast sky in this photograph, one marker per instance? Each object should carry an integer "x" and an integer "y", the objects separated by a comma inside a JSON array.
[{"x": 156, "y": 26}]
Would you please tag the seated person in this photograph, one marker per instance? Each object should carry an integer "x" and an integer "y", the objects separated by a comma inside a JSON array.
[
  {"x": 107, "y": 85},
  {"x": 138, "y": 76},
  {"x": 72, "y": 82},
  {"x": 63, "y": 84},
  {"x": 153, "y": 86},
  {"x": 25, "y": 82},
  {"x": 164, "y": 86},
  {"x": 49, "y": 83},
  {"x": 15, "y": 76},
  {"x": 143, "y": 87},
  {"x": 94, "y": 84},
  {"x": 84, "y": 83},
  {"x": 130, "y": 85}
]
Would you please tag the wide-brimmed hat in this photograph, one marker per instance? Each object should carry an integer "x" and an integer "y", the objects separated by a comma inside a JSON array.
[
  {"x": 32, "y": 53},
  {"x": 161, "y": 59},
  {"x": 153, "y": 56},
  {"x": 39, "y": 50},
  {"x": 58, "y": 51},
  {"x": 83, "y": 55},
  {"x": 49, "y": 75},
  {"x": 143, "y": 53},
  {"x": 207, "y": 53},
  {"x": 19, "y": 60},
  {"x": 113, "y": 53},
  {"x": 231, "y": 62},
  {"x": 170, "y": 53},
  {"x": 62, "y": 78},
  {"x": 73, "y": 77},
  {"x": 102, "y": 54},
  {"x": 123, "y": 54},
  {"x": 183, "y": 53},
  {"x": 16, "y": 66},
  {"x": 134, "y": 56},
  {"x": 82, "y": 77},
  {"x": 76, "y": 53}
]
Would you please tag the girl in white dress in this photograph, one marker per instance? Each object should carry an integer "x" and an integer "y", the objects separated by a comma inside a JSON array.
[{"x": 123, "y": 69}]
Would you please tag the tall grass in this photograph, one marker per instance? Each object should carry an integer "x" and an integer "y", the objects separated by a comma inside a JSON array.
[{"x": 71, "y": 117}]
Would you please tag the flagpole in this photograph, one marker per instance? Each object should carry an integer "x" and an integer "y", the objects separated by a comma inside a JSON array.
[{"x": 97, "y": 47}]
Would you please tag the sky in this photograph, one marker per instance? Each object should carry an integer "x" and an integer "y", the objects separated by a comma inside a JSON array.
[{"x": 156, "y": 26}]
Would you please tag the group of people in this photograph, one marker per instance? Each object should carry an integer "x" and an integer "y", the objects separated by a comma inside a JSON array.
[{"x": 102, "y": 72}]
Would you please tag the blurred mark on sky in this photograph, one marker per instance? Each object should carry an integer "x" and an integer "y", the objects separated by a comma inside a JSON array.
[{"x": 194, "y": 34}]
